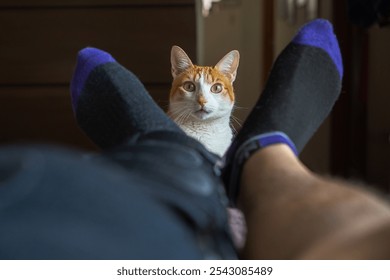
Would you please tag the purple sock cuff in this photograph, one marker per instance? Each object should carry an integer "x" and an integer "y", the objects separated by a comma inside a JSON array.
[
  {"x": 319, "y": 33},
  {"x": 272, "y": 138},
  {"x": 261, "y": 141},
  {"x": 87, "y": 60}
]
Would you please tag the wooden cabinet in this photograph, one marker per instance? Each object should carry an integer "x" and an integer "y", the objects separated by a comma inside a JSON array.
[{"x": 38, "y": 48}]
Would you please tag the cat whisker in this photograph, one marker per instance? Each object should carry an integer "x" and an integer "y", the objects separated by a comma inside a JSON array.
[
  {"x": 178, "y": 118},
  {"x": 181, "y": 118},
  {"x": 182, "y": 115},
  {"x": 188, "y": 115},
  {"x": 236, "y": 120},
  {"x": 178, "y": 111},
  {"x": 240, "y": 107},
  {"x": 233, "y": 129},
  {"x": 186, "y": 110}
]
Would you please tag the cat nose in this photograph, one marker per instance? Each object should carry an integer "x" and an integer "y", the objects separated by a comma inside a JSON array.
[{"x": 202, "y": 101}]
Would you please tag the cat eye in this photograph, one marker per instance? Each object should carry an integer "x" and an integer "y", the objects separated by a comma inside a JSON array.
[
  {"x": 216, "y": 88},
  {"x": 189, "y": 86}
]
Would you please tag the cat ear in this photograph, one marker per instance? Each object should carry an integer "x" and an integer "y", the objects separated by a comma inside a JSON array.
[
  {"x": 179, "y": 60},
  {"x": 228, "y": 65}
]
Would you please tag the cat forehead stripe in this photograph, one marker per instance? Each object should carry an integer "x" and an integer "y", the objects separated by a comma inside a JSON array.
[{"x": 207, "y": 73}]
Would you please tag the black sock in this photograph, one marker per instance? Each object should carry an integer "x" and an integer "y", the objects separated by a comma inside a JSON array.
[
  {"x": 110, "y": 103},
  {"x": 302, "y": 88}
]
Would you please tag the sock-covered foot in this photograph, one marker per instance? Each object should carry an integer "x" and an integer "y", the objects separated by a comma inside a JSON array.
[
  {"x": 110, "y": 103},
  {"x": 303, "y": 85}
]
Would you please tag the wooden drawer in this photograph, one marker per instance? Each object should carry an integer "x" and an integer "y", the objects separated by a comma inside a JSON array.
[{"x": 40, "y": 46}]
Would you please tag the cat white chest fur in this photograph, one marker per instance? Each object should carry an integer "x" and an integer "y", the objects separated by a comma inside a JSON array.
[
  {"x": 202, "y": 99},
  {"x": 215, "y": 135}
]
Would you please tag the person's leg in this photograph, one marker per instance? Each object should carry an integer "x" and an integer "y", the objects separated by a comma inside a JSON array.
[
  {"x": 292, "y": 213},
  {"x": 303, "y": 85},
  {"x": 113, "y": 108}
]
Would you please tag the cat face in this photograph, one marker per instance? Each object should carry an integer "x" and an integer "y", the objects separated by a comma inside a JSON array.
[{"x": 201, "y": 92}]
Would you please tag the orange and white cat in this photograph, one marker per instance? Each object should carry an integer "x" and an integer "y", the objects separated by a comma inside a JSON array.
[{"x": 202, "y": 98}]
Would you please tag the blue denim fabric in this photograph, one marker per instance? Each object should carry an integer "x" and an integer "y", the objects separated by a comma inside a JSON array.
[{"x": 150, "y": 199}]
